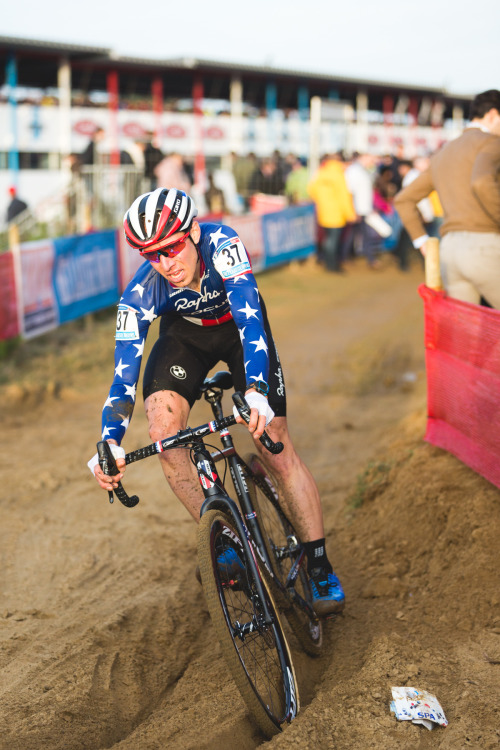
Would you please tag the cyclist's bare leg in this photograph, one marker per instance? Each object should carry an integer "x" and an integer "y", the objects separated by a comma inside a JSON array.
[
  {"x": 168, "y": 412},
  {"x": 299, "y": 495}
]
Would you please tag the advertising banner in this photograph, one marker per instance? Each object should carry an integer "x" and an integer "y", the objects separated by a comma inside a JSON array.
[
  {"x": 9, "y": 323},
  {"x": 289, "y": 234},
  {"x": 39, "y": 306},
  {"x": 85, "y": 273}
]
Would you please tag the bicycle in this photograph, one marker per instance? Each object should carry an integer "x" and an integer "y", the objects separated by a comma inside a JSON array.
[{"x": 251, "y": 562}]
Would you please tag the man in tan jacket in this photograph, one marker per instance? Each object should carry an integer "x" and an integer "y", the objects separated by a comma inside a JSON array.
[{"x": 466, "y": 175}]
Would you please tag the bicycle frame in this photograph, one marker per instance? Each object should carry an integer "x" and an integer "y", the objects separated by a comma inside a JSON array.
[
  {"x": 213, "y": 396},
  {"x": 215, "y": 499}
]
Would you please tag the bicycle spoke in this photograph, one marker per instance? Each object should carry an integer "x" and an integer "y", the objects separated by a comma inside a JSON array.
[{"x": 259, "y": 648}]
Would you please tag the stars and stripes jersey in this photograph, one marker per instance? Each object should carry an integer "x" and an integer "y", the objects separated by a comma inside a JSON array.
[{"x": 228, "y": 290}]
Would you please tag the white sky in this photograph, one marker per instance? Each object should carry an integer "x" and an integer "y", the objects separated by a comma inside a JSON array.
[{"x": 440, "y": 43}]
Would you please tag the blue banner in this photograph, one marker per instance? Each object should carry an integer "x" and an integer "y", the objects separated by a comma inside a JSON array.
[
  {"x": 289, "y": 234},
  {"x": 85, "y": 274}
]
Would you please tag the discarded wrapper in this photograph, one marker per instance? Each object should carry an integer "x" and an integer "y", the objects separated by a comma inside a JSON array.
[{"x": 417, "y": 706}]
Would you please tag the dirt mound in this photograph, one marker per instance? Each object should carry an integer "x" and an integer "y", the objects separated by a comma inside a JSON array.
[
  {"x": 423, "y": 604},
  {"x": 105, "y": 639}
]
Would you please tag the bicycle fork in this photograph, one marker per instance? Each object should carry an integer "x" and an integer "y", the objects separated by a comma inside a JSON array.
[{"x": 215, "y": 499}]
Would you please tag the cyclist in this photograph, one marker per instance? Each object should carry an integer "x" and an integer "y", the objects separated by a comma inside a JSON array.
[{"x": 198, "y": 281}]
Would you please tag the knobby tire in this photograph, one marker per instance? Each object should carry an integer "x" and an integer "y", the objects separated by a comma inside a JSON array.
[{"x": 260, "y": 662}]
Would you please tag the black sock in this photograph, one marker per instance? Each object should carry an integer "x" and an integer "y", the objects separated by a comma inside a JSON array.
[{"x": 316, "y": 555}]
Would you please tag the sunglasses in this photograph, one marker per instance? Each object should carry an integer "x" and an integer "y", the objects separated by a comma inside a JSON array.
[{"x": 169, "y": 251}]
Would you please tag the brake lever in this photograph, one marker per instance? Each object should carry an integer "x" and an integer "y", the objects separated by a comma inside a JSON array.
[
  {"x": 244, "y": 412},
  {"x": 108, "y": 465}
]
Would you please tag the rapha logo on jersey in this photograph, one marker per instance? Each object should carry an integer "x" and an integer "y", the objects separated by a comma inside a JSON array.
[
  {"x": 199, "y": 302},
  {"x": 178, "y": 372},
  {"x": 280, "y": 390}
]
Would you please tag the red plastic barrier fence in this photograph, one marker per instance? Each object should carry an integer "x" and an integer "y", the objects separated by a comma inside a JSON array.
[
  {"x": 462, "y": 344},
  {"x": 9, "y": 322}
]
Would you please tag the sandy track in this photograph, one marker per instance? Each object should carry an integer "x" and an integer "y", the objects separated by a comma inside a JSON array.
[{"x": 105, "y": 637}]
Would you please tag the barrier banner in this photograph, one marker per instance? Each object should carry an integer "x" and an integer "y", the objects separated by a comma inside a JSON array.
[
  {"x": 289, "y": 234},
  {"x": 261, "y": 203},
  {"x": 39, "y": 305},
  {"x": 249, "y": 229},
  {"x": 462, "y": 343},
  {"x": 69, "y": 277},
  {"x": 85, "y": 273},
  {"x": 9, "y": 323},
  {"x": 129, "y": 260}
]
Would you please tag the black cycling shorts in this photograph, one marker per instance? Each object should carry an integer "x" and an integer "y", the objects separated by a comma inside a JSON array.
[{"x": 185, "y": 353}]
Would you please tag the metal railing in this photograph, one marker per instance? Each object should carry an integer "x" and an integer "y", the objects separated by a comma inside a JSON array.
[
  {"x": 104, "y": 193},
  {"x": 96, "y": 197}
]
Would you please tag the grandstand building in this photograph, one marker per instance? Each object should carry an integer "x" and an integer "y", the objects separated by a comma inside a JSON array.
[{"x": 53, "y": 96}]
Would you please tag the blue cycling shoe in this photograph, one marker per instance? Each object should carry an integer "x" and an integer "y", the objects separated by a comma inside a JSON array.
[
  {"x": 230, "y": 564},
  {"x": 327, "y": 592}
]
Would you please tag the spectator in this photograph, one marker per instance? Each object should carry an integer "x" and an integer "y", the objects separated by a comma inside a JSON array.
[
  {"x": 296, "y": 182},
  {"x": 171, "y": 171},
  {"x": 152, "y": 157},
  {"x": 384, "y": 184},
  {"x": 243, "y": 168},
  {"x": 409, "y": 171},
  {"x": 267, "y": 178},
  {"x": 282, "y": 165},
  {"x": 130, "y": 157},
  {"x": 391, "y": 162},
  {"x": 430, "y": 207},
  {"x": 361, "y": 236},
  {"x": 334, "y": 208},
  {"x": 214, "y": 198},
  {"x": 72, "y": 169},
  {"x": 89, "y": 157},
  {"x": 465, "y": 174},
  {"x": 15, "y": 207}
]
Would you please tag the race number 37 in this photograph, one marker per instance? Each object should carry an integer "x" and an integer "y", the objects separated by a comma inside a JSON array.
[
  {"x": 126, "y": 324},
  {"x": 231, "y": 259}
]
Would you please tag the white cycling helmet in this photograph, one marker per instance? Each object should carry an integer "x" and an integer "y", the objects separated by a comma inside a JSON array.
[{"x": 154, "y": 216}]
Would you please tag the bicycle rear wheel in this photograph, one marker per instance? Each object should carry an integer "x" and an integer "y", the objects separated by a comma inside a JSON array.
[
  {"x": 282, "y": 547},
  {"x": 257, "y": 654}
]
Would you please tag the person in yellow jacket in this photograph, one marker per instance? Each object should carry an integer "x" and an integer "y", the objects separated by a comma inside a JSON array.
[{"x": 334, "y": 208}]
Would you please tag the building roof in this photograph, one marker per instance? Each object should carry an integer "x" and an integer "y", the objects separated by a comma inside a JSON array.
[
  {"x": 104, "y": 58},
  {"x": 15, "y": 44}
]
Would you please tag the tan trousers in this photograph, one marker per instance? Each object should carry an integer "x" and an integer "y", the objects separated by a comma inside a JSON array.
[{"x": 470, "y": 266}]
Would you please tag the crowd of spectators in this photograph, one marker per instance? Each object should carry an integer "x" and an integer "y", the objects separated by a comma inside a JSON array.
[
  {"x": 354, "y": 196},
  {"x": 354, "y": 199},
  {"x": 367, "y": 224}
]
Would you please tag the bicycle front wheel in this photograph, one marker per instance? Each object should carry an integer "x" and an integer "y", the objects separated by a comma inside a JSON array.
[
  {"x": 257, "y": 654},
  {"x": 283, "y": 547}
]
